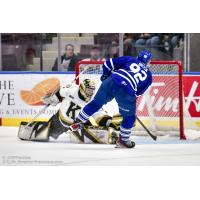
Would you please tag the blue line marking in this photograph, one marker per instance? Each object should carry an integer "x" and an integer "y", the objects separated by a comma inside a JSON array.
[{"x": 191, "y": 73}]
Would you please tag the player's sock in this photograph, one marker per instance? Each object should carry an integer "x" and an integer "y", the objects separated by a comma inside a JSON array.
[
  {"x": 125, "y": 133},
  {"x": 124, "y": 141}
]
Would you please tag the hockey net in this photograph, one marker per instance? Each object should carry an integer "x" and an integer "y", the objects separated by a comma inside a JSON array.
[{"x": 161, "y": 106}]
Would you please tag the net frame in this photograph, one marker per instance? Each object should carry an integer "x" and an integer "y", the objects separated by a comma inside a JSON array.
[{"x": 155, "y": 62}]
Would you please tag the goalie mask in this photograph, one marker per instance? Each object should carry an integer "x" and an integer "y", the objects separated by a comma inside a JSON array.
[{"x": 87, "y": 89}]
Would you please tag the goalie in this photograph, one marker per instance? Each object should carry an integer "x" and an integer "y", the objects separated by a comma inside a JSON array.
[{"x": 98, "y": 129}]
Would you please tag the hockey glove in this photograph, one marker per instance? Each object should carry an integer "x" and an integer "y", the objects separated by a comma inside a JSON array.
[{"x": 51, "y": 100}]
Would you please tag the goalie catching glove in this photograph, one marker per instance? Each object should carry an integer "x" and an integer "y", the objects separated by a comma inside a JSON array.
[{"x": 51, "y": 100}]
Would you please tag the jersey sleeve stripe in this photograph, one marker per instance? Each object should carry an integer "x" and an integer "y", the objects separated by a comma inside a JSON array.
[
  {"x": 81, "y": 118},
  {"x": 105, "y": 64},
  {"x": 112, "y": 65},
  {"x": 126, "y": 79},
  {"x": 84, "y": 114}
]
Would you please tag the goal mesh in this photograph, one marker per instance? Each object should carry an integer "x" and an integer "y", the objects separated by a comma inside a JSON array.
[{"x": 161, "y": 106}]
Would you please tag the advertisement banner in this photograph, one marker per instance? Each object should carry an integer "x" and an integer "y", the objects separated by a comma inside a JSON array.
[
  {"x": 21, "y": 96},
  {"x": 161, "y": 99},
  {"x": 192, "y": 94}
]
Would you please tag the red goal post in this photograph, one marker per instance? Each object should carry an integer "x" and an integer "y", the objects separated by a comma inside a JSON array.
[{"x": 170, "y": 96}]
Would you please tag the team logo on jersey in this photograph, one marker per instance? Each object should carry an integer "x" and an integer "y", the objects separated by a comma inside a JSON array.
[
  {"x": 123, "y": 83},
  {"x": 71, "y": 112}
]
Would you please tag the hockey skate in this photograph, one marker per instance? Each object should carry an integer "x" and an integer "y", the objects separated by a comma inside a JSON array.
[{"x": 124, "y": 144}]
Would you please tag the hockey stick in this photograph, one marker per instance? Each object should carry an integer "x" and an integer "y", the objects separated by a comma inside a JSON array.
[{"x": 154, "y": 137}]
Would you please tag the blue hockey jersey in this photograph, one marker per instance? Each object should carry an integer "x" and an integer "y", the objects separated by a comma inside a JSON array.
[{"x": 128, "y": 72}]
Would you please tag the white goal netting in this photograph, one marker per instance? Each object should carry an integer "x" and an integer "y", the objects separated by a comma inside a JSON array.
[{"x": 161, "y": 107}]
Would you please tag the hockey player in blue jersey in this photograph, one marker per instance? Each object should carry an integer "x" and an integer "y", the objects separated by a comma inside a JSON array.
[{"x": 124, "y": 78}]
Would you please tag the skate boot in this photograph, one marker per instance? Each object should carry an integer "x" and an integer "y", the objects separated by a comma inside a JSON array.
[{"x": 124, "y": 144}]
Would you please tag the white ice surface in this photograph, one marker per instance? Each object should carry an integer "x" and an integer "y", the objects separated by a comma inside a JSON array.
[{"x": 165, "y": 151}]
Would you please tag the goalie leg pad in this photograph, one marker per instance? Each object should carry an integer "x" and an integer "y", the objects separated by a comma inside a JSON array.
[
  {"x": 37, "y": 131},
  {"x": 89, "y": 136},
  {"x": 58, "y": 125},
  {"x": 40, "y": 131}
]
